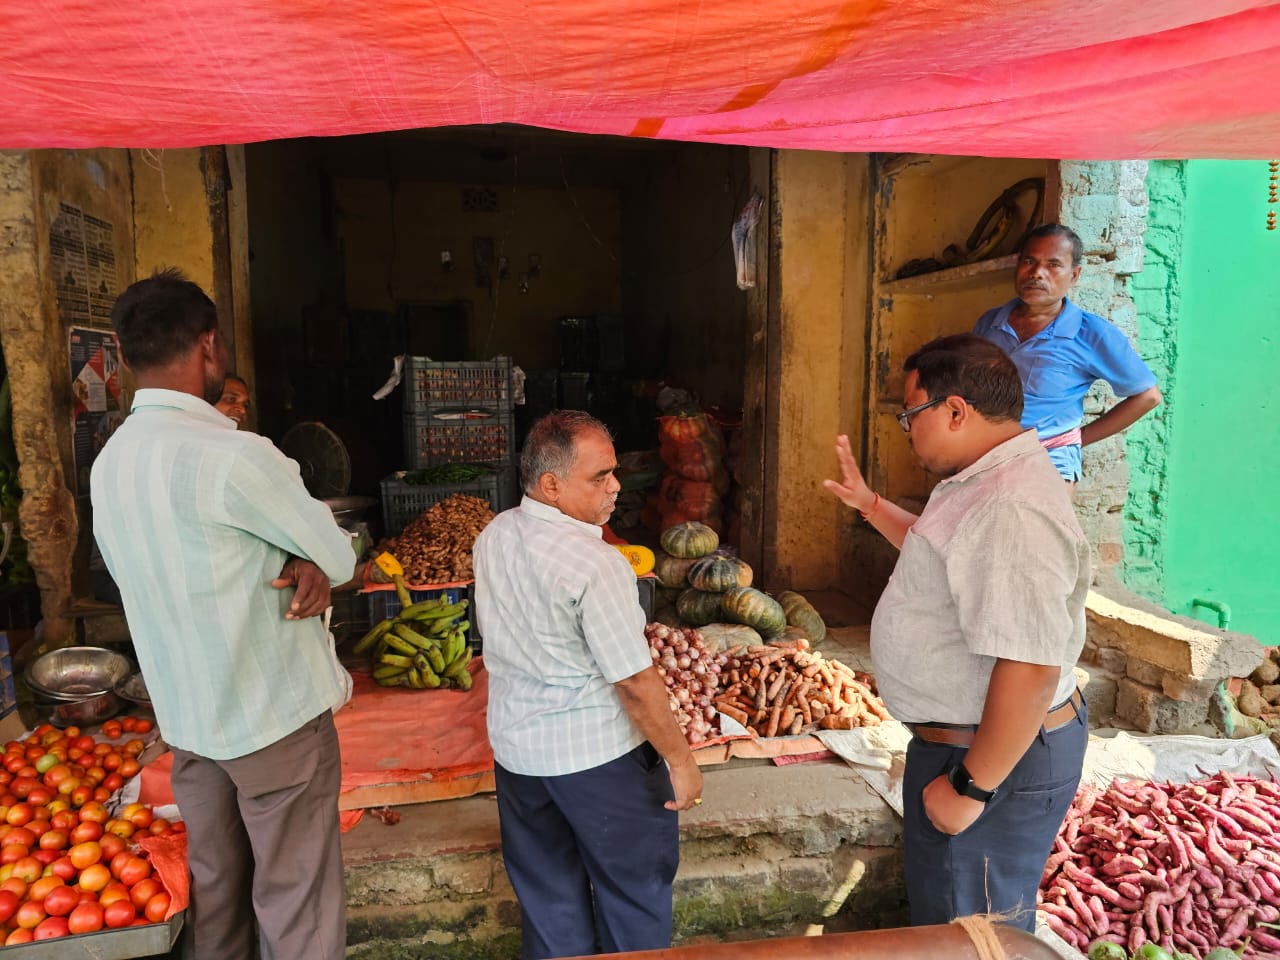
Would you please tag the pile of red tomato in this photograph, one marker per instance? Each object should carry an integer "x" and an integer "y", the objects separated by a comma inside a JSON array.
[{"x": 66, "y": 865}]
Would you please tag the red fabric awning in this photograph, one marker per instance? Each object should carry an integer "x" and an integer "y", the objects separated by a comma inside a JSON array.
[{"x": 1099, "y": 79}]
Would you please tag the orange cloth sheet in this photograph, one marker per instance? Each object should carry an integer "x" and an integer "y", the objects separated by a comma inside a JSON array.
[
  {"x": 390, "y": 735},
  {"x": 168, "y": 855}
]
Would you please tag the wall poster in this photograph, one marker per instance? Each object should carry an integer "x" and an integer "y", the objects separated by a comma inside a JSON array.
[{"x": 95, "y": 397}]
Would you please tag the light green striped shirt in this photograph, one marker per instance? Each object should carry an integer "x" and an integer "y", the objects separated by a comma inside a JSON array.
[{"x": 194, "y": 520}]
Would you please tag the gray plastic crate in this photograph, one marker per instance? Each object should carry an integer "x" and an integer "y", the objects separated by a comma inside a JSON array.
[
  {"x": 430, "y": 385},
  {"x": 402, "y": 502},
  {"x": 460, "y": 436}
]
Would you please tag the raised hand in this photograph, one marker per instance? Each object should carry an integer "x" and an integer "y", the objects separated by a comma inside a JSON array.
[{"x": 852, "y": 488}]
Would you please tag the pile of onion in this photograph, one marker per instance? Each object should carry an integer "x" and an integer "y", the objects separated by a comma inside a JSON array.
[{"x": 692, "y": 675}]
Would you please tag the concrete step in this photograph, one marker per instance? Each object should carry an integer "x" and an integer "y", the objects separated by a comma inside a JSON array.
[{"x": 772, "y": 850}]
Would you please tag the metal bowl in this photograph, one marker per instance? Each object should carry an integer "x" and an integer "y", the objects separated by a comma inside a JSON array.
[
  {"x": 134, "y": 689},
  {"x": 349, "y": 509},
  {"x": 81, "y": 713},
  {"x": 73, "y": 674}
]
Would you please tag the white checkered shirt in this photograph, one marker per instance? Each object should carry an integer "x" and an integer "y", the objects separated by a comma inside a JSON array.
[{"x": 562, "y": 623}]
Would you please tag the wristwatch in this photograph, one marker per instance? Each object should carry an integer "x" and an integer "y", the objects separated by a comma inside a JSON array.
[{"x": 962, "y": 783}]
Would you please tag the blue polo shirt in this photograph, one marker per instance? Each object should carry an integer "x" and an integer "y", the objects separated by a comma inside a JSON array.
[{"x": 1059, "y": 365}]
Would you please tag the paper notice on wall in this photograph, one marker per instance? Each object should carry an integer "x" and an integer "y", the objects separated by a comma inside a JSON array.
[
  {"x": 82, "y": 260},
  {"x": 95, "y": 397}
]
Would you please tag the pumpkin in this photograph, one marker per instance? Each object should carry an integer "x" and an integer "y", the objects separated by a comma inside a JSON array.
[
  {"x": 801, "y": 613},
  {"x": 640, "y": 558},
  {"x": 754, "y": 608},
  {"x": 716, "y": 574},
  {"x": 698, "y": 608},
  {"x": 667, "y": 596},
  {"x": 726, "y": 636},
  {"x": 673, "y": 571},
  {"x": 689, "y": 540}
]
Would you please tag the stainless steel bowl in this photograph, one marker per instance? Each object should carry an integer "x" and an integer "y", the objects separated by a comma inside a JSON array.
[
  {"x": 348, "y": 510},
  {"x": 134, "y": 689},
  {"x": 74, "y": 674},
  {"x": 81, "y": 713}
]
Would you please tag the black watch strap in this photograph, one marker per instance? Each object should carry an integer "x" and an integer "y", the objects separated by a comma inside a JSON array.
[{"x": 962, "y": 783}]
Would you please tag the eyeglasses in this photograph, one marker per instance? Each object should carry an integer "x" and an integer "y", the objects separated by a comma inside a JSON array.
[{"x": 904, "y": 418}]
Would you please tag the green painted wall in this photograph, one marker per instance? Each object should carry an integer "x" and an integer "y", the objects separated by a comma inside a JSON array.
[{"x": 1201, "y": 522}]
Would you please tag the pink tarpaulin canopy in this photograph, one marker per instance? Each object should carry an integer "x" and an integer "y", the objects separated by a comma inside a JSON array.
[{"x": 1100, "y": 79}]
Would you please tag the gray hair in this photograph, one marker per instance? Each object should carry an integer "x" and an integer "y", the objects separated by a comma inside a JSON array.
[
  {"x": 1057, "y": 230},
  {"x": 549, "y": 446}
]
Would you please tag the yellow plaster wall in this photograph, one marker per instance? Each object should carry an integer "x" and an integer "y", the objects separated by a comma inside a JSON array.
[
  {"x": 171, "y": 215},
  {"x": 821, "y": 270}
]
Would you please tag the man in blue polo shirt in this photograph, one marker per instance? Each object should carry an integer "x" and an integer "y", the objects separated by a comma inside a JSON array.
[{"x": 1060, "y": 350}]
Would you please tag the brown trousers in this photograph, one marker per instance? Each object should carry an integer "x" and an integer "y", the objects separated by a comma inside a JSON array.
[{"x": 263, "y": 839}]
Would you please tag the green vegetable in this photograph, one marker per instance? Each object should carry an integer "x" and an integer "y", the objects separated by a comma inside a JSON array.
[
  {"x": 1106, "y": 950},
  {"x": 1152, "y": 951},
  {"x": 1222, "y": 953},
  {"x": 448, "y": 473}
]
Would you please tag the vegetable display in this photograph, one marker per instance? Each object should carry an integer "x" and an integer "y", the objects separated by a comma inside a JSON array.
[
  {"x": 756, "y": 609},
  {"x": 689, "y": 540},
  {"x": 718, "y": 573},
  {"x": 783, "y": 688},
  {"x": 802, "y": 615},
  {"x": 691, "y": 673},
  {"x": 1184, "y": 867},
  {"x": 424, "y": 647},
  {"x": 436, "y": 546}
]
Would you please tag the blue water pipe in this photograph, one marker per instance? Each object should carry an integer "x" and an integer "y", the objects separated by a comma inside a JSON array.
[{"x": 1221, "y": 609}]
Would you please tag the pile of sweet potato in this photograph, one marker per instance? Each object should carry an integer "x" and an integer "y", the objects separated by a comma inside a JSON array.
[
  {"x": 1189, "y": 866},
  {"x": 784, "y": 688}
]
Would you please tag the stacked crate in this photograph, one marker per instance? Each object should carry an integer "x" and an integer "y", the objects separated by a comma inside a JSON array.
[{"x": 454, "y": 412}]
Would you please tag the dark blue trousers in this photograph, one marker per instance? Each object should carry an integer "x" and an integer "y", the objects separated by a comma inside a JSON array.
[
  {"x": 993, "y": 866},
  {"x": 591, "y": 856}
]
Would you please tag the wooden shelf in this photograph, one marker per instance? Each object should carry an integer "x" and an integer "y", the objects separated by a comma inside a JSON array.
[{"x": 968, "y": 276}]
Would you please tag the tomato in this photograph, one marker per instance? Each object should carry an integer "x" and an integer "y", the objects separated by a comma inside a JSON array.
[
  {"x": 20, "y": 814},
  {"x": 40, "y": 889},
  {"x": 132, "y": 873},
  {"x": 28, "y": 869},
  {"x": 94, "y": 811},
  {"x": 81, "y": 795},
  {"x": 61, "y": 900},
  {"x": 129, "y": 724},
  {"x": 66, "y": 785},
  {"x": 95, "y": 774},
  {"x": 101, "y": 794},
  {"x": 58, "y": 805},
  {"x": 113, "y": 782},
  {"x": 51, "y": 928},
  {"x": 112, "y": 892},
  {"x": 64, "y": 820},
  {"x": 21, "y": 935},
  {"x": 94, "y": 877},
  {"x": 21, "y": 835},
  {"x": 30, "y": 914},
  {"x": 158, "y": 826},
  {"x": 45, "y": 762},
  {"x": 111, "y": 761},
  {"x": 16, "y": 885},
  {"x": 13, "y": 852},
  {"x": 8, "y": 904},
  {"x": 13, "y": 762},
  {"x": 64, "y": 868},
  {"x": 120, "y": 914},
  {"x": 85, "y": 854},
  {"x": 121, "y": 828},
  {"x": 46, "y": 857},
  {"x": 112, "y": 729},
  {"x": 134, "y": 747},
  {"x": 144, "y": 890},
  {"x": 21, "y": 786},
  {"x": 179, "y": 826},
  {"x": 145, "y": 725},
  {"x": 85, "y": 918},
  {"x": 129, "y": 767},
  {"x": 53, "y": 840},
  {"x": 157, "y": 907},
  {"x": 40, "y": 796},
  {"x": 84, "y": 832},
  {"x": 111, "y": 846},
  {"x": 101, "y": 749}
]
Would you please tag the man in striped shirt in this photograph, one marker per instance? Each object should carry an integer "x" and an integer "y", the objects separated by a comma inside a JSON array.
[
  {"x": 224, "y": 562},
  {"x": 578, "y": 716}
]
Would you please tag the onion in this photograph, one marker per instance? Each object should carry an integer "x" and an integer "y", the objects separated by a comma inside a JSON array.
[
  {"x": 681, "y": 645},
  {"x": 682, "y": 695},
  {"x": 694, "y": 652},
  {"x": 700, "y": 668},
  {"x": 683, "y": 662},
  {"x": 709, "y": 712},
  {"x": 669, "y": 663},
  {"x": 655, "y": 653}
]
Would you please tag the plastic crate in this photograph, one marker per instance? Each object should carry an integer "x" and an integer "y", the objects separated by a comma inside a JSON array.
[
  {"x": 450, "y": 437},
  {"x": 429, "y": 385},
  {"x": 402, "y": 502},
  {"x": 386, "y": 603}
]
